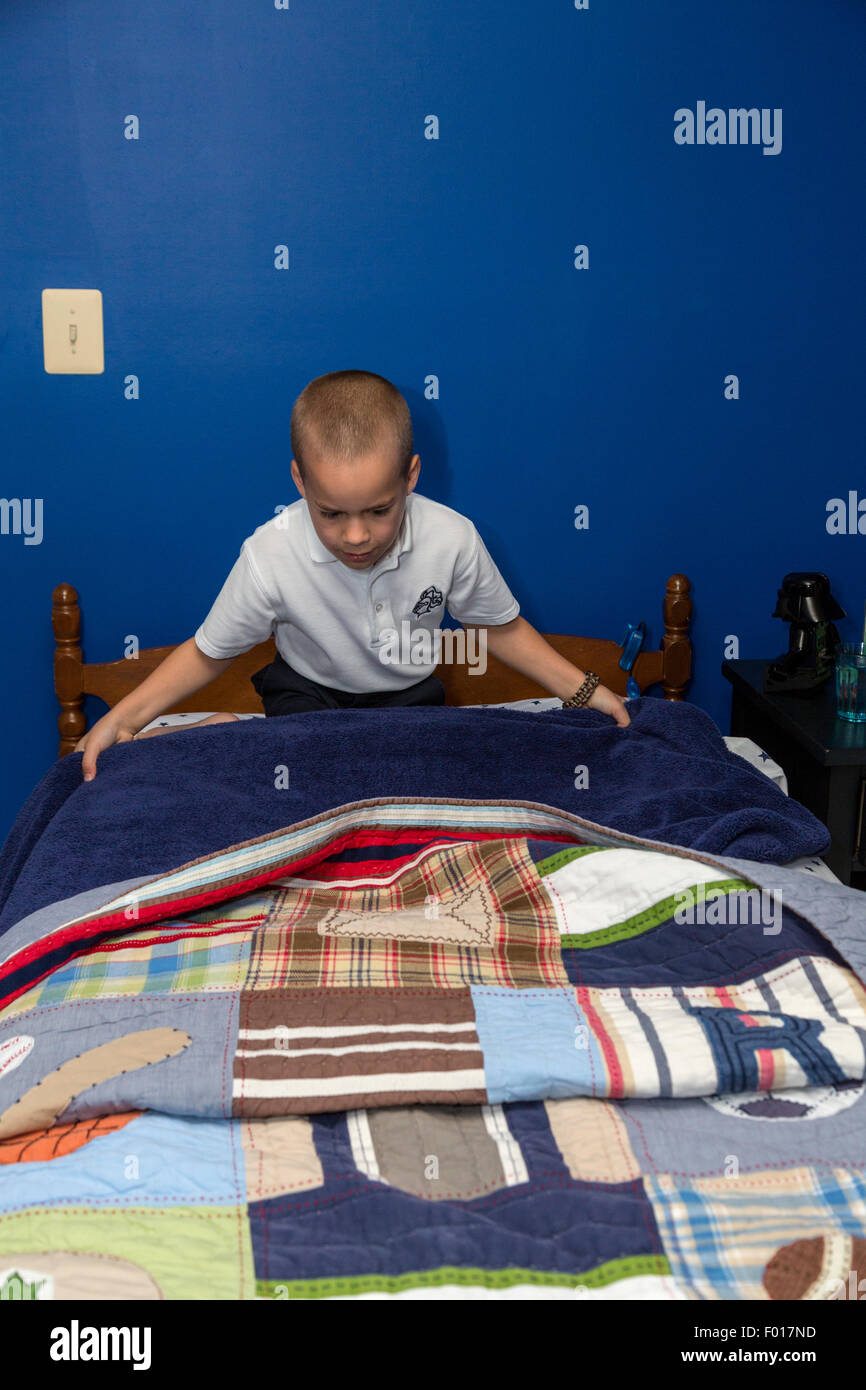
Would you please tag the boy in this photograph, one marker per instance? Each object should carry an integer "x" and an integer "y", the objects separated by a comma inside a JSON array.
[{"x": 337, "y": 572}]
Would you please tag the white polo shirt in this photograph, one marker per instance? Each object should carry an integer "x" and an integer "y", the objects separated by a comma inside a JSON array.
[{"x": 329, "y": 621}]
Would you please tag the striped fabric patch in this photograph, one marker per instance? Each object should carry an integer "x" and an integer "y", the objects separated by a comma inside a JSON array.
[
  {"x": 807, "y": 1018},
  {"x": 315, "y": 1050}
]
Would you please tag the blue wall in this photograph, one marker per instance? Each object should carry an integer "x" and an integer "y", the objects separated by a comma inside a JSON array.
[{"x": 305, "y": 126}]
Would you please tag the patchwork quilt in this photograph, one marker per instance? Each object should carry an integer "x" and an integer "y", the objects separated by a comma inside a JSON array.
[{"x": 429, "y": 1046}]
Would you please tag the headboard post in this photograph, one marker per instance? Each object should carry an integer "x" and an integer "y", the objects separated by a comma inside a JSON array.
[
  {"x": 66, "y": 622},
  {"x": 676, "y": 644}
]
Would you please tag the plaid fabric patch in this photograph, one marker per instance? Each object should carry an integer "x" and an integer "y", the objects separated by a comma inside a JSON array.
[
  {"x": 720, "y": 1233},
  {"x": 460, "y": 915},
  {"x": 194, "y": 963}
]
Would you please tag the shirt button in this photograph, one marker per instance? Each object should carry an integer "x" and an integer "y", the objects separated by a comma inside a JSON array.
[{"x": 379, "y": 607}]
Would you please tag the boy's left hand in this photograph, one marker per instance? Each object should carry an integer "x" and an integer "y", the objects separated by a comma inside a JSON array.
[{"x": 609, "y": 703}]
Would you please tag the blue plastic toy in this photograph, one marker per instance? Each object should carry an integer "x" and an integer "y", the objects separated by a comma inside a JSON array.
[{"x": 631, "y": 645}]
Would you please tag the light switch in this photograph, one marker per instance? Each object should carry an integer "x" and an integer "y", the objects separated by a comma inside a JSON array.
[{"x": 72, "y": 331}]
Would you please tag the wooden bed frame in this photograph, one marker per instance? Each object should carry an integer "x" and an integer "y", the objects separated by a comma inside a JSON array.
[{"x": 670, "y": 666}]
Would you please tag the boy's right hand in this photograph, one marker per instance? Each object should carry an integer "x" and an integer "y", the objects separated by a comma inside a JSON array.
[
  {"x": 184, "y": 670},
  {"x": 105, "y": 732}
]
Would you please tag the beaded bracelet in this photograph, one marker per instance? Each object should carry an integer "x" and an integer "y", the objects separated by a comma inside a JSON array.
[{"x": 585, "y": 693}]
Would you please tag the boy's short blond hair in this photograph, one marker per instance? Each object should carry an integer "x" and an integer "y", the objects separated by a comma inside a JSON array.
[{"x": 349, "y": 413}]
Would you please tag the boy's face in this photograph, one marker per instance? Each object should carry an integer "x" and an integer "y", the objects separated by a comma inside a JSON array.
[{"x": 356, "y": 505}]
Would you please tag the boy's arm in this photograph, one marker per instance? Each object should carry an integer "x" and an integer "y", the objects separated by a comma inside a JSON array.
[
  {"x": 518, "y": 644},
  {"x": 182, "y": 673}
]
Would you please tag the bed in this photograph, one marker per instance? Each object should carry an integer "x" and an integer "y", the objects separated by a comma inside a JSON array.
[
  {"x": 669, "y": 667},
  {"x": 465, "y": 1002}
]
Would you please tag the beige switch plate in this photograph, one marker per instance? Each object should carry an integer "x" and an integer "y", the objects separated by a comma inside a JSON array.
[{"x": 72, "y": 331}]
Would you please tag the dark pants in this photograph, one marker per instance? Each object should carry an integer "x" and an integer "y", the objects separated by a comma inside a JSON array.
[{"x": 285, "y": 691}]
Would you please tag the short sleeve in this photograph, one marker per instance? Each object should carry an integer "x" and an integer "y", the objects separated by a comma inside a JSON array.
[
  {"x": 241, "y": 616},
  {"x": 478, "y": 592}
]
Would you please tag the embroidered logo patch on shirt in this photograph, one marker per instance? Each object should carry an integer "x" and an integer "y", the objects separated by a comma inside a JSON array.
[{"x": 430, "y": 599}]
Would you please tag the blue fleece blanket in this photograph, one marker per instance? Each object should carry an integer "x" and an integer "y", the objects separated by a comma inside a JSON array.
[{"x": 157, "y": 803}]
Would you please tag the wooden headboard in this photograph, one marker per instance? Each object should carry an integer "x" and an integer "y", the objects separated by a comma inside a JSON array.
[{"x": 670, "y": 666}]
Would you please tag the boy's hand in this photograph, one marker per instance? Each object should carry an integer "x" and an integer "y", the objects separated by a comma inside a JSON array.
[
  {"x": 609, "y": 703},
  {"x": 105, "y": 732},
  {"x": 184, "y": 670},
  {"x": 519, "y": 645}
]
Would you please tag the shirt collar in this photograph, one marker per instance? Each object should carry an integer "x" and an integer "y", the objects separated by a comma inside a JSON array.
[{"x": 320, "y": 555}]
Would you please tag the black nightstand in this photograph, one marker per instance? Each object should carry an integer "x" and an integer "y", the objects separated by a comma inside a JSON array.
[{"x": 824, "y": 757}]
